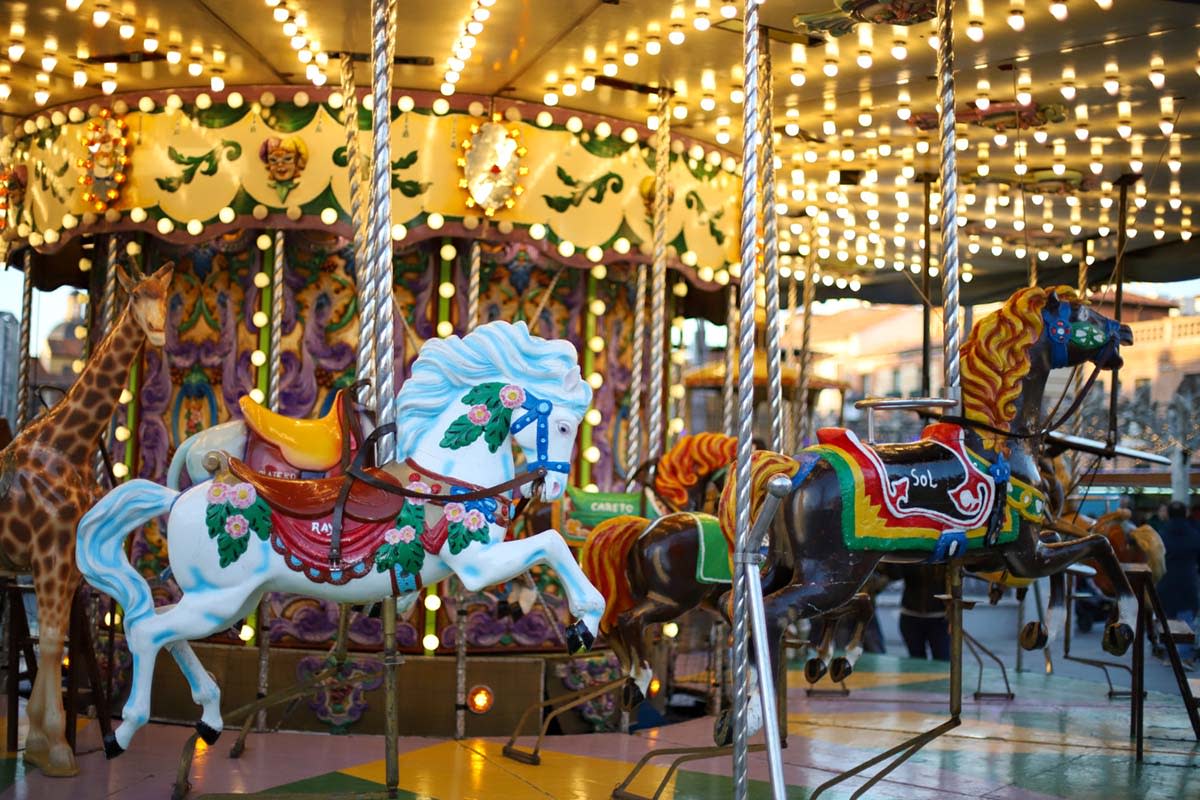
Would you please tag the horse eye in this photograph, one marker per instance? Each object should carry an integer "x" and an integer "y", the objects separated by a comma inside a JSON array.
[{"x": 563, "y": 428}]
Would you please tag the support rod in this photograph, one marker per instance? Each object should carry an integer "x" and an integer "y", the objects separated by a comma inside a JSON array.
[
  {"x": 1118, "y": 298},
  {"x": 23, "y": 340},
  {"x": 750, "y": 210},
  {"x": 926, "y": 308},
  {"x": 634, "y": 438},
  {"x": 658, "y": 283},
  {"x": 770, "y": 245},
  {"x": 949, "y": 179},
  {"x": 803, "y": 404},
  {"x": 729, "y": 384}
]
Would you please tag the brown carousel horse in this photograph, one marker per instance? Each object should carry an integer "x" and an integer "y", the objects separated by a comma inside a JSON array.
[
  {"x": 967, "y": 491},
  {"x": 654, "y": 572},
  {"x": 47, "y": 483}
]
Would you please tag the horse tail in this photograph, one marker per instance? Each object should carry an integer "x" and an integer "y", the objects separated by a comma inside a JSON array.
[
  {"x": 100, "y": 543},
  {"x": 179, "y": 461},
  {"x": 603, "y": 561},
  {"x": 1152, "y": 545},
  {"x": 690, "y": 459},
  {"x": 764, "y": 465}
]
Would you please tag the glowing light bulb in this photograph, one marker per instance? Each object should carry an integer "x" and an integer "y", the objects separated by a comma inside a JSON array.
[
  {"x": 1058, "y": 9},
  {"x": 975, "y": 30},
  {"x": 1158, "y": 78},
  {"x": 899, "y": 50}
]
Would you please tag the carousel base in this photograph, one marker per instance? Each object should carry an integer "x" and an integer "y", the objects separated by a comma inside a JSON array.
[{"x": 1060, "y": 738}]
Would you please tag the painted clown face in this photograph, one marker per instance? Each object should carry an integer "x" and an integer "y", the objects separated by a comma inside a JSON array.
[{"x": 281, "y": 164}]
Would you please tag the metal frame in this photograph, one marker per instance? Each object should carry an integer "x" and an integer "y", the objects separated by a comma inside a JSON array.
[
  {"x": 561, "y": 705},
  {"x": 976, "y": 648}
]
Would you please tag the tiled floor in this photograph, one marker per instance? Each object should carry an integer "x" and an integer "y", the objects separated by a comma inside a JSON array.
[{"x": 1060, "y": 738}]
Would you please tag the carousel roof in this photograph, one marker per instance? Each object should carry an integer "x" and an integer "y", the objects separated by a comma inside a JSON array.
[
  {"x": 1056, "y": 104},
  {"x": 712, "y": 376}
]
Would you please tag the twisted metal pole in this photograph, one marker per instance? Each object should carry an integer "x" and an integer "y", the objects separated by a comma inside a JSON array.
[
  {"x": 379, "y": 259},
  {"x": 770, "y": 245},
  {"x": 791, "y": 425},
  {"x": 365, "y": 360},
  {"x": 729, "y": 384},
  {"x": 460, "y": 595},
  {"x": 803, "y": 432},
  {"x": 379, "y": 243},
  {"x": 23, "y": 341},
  {"x": 634, "y": 439},
  {"x": 108, "y": 303},
  {"x": 658, "y": 283},
  {"x": 746, "y": 280},
  {"x": 949, "y": 179}
]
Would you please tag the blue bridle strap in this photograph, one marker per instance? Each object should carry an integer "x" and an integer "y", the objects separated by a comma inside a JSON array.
[
  {"x": 538, "y": 410},
  {"x": 1058, "y": 332}
]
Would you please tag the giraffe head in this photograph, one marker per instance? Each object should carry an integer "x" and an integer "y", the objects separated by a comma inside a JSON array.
[{"x": 148, "y": 301}]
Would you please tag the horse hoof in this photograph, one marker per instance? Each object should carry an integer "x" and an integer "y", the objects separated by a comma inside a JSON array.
[
  {"x": 840, "y": 669},
  {"x": 1033, "y": 636},
  {"x": 814, "y": 670},
  {"x": 723, "y": 729},
  {"x": 1117, "y": 638},
  {"x": 631, "y": 696},
  {"x": 995, "y": 593},
  {"x": 579, "y": 638},
  {"x": 208, "y": 733},
  {"x": 111, "y": 748}
]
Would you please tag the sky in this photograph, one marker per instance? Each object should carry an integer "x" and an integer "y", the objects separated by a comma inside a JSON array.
[{"x": 49, "y": 308}]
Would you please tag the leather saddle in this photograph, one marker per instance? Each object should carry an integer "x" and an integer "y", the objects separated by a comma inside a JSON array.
[
  {"x": 317, "y": 497},
  {"x": 288, "y": 447}
]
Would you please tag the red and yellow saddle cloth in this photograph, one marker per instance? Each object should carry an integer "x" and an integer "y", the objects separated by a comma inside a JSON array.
[
  {"x": 911, "y": 497},
  {"x": 387, "y": 531}
]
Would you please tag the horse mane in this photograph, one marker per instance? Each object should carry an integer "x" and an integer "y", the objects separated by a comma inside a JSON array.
[
  {"x": 995, "y": 358},
  {"x": 689, "y": 459},
  {"x": 764, "y": 465},
  {"x": 497, "y": 351}
]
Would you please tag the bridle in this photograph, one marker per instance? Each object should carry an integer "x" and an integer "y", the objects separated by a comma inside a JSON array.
[{"x": 537, "y": 410}]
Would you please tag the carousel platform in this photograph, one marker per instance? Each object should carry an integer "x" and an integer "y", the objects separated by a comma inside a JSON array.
[{"x": 1060, "y": 738}]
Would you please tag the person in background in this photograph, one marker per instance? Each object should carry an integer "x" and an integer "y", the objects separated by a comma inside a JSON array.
[
  {"x": 1179, "y": 589},
  {"x": 922, "y": 615},
  {"x": 1159, "y": 520}
]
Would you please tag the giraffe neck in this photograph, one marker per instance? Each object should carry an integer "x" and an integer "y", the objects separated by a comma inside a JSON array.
[{"x": 75, "y": 425}]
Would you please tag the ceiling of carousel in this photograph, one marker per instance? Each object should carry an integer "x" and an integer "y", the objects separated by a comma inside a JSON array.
[{"x": 1057, "y": 102}]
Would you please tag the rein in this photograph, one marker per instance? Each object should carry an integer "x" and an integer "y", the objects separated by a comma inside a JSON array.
[{"x": 356, "y": 472}]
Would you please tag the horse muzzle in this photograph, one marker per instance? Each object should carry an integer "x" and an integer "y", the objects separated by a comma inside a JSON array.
[{"x": 1125, "y": 335}]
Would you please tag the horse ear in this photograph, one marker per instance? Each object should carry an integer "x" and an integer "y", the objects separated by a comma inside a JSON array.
[
  {"x": 1052, "y": 299},
  {"x": 123, "y": 278},
  {"x": 573, "y": 379}
]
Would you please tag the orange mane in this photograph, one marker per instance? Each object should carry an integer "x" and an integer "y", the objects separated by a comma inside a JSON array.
[
  {"x": 603, "y": 561},
  {"x": 764, "y": 465},
  {"x": 995, "y": 358},
  {"x": 689, "y": 459}
]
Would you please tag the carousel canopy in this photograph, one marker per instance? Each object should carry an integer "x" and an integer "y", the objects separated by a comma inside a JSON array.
[
  {"x": 712, "y": 376},
  {"x": 1057, "y": 105}
]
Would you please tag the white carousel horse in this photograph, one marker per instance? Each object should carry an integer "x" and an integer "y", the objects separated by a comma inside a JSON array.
[{"x": 241, "y": 534}]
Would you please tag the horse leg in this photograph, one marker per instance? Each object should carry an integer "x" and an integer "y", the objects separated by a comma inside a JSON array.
[
  {"x": 1039, "y": 559},
  {"x": 860, "y": 610},
  {"x": 629, "y": 692},
  {"x": 816, "y": 667},
  {"x": 205, "y": 692},
  {"x": 479, "y": 567},
  {"x": 46, "y": 743},
  {"x": 196, "y": 615},
  {"x": 633, "y": 625}
]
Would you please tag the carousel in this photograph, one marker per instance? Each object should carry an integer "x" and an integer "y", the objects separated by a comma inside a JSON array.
[{"x": 445, "y": 420}]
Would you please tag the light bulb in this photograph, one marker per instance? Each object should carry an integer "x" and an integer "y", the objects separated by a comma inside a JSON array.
[
  {"x": 798, "y": 78},
  {"x": 653, "y": 46},
  {"x": 100, "y": 16},
  {"x": 1040, "y": 135},
  {"x": 831, "y": 68},
  {"x": 1058, "y": 8},
  {"x": 676, "y": 36},
  {"x": 1016, "y": 20},
  {"x": 1158, "y": 78},
  {"x": 15, "y": 51},
  {"x": 899, "y": 50},
  {"x": 864, "y": 59},
  {"x": 631, "y": 57},
  {"x": 195, "y": 68},
  {"x": 975, "y": 30},
  {"x": 217, "y": 83}
]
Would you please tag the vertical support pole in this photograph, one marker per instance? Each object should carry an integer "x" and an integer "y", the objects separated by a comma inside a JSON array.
[
  {"x": 803, "y": 406},
  {"x": 791, "y": 425},
  {"x": 949, "y": 178},
  {"x": 23, "y": 340},
  {"x": 1119, "y": 296},
  {"x": 954, "y": 589},
  {"x": 770, "y": 245},
  {"x": 634, "y": 437},
  {"x": 108, "y": 302},
  {"x": 750, "y": 210},
  {"x": 379, "y": 258},
  {"x": 460, "y": 599},
  {"x": 658, "y": 283},
  {"x": 926, "y": 300},
  {"x": 589, "y": 365},
  {"x": 729, "y": 384}
]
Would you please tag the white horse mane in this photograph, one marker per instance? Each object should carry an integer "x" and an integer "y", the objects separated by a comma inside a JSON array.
[{"x": 497, "y": 351}]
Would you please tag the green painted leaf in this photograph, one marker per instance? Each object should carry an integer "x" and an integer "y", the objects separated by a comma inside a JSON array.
[
  {"x": 565, "y": 177},
  {"x": 410, "y": 188},
  {"x": 496, "y": 430},
  {"x": 258, "y": 515},
  {"x": 411, "y": 557},
  {"x": 229, "y": 549},
  {"x": 214, "y": 519},
  {"x": 484, "y": 393},
  {"x": 608, "y": 147},
  {"x": 405, "y": 161},
  {"x": 341, "y": 158},
  {"x": 461, "y": 433},
  {"x": 414, "y": 515}
]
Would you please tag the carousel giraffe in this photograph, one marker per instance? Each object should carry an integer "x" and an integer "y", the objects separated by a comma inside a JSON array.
[{"x": 47, "y": 482}]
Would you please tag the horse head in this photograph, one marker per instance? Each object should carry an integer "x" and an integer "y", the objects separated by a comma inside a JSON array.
[{"x": 1076, "y": 333}]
